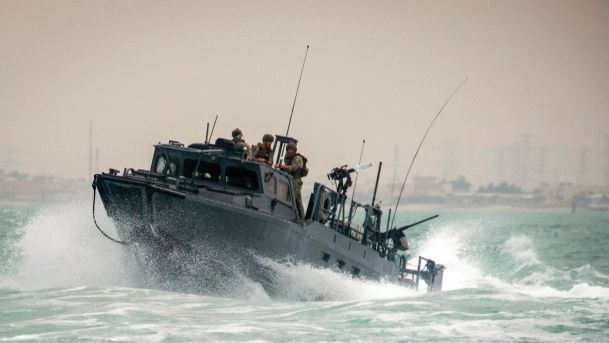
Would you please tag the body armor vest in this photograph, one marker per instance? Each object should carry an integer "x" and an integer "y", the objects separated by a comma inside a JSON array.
[{"x": 263, "y": 152}]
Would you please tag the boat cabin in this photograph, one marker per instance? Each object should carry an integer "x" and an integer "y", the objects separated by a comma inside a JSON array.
[{"x": 222, "y": 168}]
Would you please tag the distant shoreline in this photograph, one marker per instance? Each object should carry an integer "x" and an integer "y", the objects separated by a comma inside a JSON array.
[
  {"x": 402, "y": 208},
  {"x": 490, "y": 208}
]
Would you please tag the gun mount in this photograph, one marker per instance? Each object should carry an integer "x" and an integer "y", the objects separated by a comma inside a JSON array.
[{"x": 327, "y": 206}]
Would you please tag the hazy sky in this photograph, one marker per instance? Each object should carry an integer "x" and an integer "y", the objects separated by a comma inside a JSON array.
[{"x": 150, "y": 71}]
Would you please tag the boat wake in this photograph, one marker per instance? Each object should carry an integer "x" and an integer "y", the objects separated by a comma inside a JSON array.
[{"x": 304, "y": 282}]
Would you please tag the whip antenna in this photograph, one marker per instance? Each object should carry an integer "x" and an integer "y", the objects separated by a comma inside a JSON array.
[
  {"x": 395, "y": 171},
  {"x": 297, "y": 87},
  {"x": 395, "y": 212},
  {"x": 212, "y": 128}
]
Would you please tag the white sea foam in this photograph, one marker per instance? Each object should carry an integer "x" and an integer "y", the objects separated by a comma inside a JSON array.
[
  {"x": 305, "y": 282},
  {"x": 521, "y": 248},
  {"x": 579, "y": 291},
  {"x": 61, "y": 248},
  {"x": 22, "y": 338},
  {"x": 444, "y": 245}
]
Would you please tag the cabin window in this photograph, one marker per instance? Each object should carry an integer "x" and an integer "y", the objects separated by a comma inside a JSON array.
[
  {"x": 167, "y": 167},
  {"x": 270, "y": 182},
  {"x": 340, "y": 264},
  {"x": 207, "y": 171},
  {"x": 283, "y": 191},
  {"x": 325, "y": 256},
  {"x": 240, "y": 177}
]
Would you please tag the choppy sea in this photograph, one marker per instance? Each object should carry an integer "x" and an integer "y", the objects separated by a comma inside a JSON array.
[{"x": 511, "y": 276}]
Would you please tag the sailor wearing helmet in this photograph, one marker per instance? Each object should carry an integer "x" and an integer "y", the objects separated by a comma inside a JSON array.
[
  {"x": 240, "y": 144},
  {"x": 295, "y": 165},
  {"x": 263, "y": 152}
]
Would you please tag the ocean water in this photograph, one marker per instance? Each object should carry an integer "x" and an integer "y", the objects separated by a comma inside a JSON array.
[{"x": 511, "y": 276}]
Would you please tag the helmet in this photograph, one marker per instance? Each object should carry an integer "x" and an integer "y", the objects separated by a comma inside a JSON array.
[
  {"x": 268, "y": 138},
  {"x": 237, "y": 132},
  {"x": 292, "y": 146}
]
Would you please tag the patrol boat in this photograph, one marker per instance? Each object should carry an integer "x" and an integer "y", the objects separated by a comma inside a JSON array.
[{"x": 228, "y": 212}]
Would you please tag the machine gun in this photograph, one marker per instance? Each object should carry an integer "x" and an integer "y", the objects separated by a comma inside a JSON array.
[
  {"x": 342, "y": 177},
  {"x": 340, "y": 173},
  {"x": 397, "y": 234}
]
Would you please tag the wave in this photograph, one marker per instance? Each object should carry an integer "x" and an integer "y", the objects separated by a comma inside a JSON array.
[
  {"x": 303, "y": 282},
  {"x": 60, "y": 248},
  {"x": 514, "y": 268}
]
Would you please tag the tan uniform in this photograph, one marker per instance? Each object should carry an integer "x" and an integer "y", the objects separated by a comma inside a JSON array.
[
  {"x": 247, "y": 152},
  {"x": 260, "y": 151},
  {"x": 295, "y": 165}
]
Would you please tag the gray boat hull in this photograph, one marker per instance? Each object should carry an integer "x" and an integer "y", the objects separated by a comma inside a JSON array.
[{"x": 213, "y": 236}]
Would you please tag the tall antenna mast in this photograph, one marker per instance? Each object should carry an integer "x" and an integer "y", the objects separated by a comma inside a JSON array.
[
  {"x": 395, "y": 171},
  {"x": 395, "y": 212},
  {"x": 297, "y": 88},
  {"x": 90, "y": 149},
  {"x": 96, "y": 165},
  {"x": 212, "y": 128},
  {"x": 207, "y": 133}
]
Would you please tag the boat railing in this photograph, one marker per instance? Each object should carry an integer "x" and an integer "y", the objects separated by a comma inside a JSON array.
[{"x": 427, "y": 270}]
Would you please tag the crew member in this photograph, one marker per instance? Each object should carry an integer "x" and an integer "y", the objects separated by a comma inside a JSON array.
[
  {"x": 240, "y": 145},
  {"x": 295, "y": 166},
  {"x": 262, "y": 152}
]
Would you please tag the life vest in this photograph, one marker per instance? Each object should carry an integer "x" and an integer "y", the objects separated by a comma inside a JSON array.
[
  {"x": 263, "y": 152},
  {"x": 242, "y": 149},
  {"x": 302, "y": 172}
]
